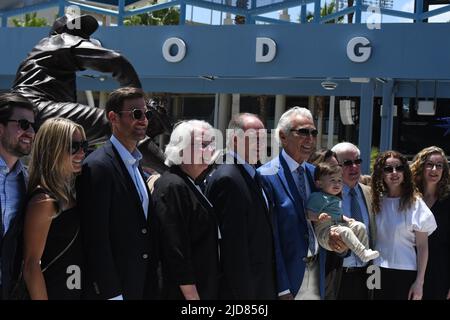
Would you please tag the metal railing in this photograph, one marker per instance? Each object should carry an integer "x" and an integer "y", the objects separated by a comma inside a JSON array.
[{"x": 254, "y": 10}]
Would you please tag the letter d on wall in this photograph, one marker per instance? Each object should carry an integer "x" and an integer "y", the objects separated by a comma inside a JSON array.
[
  {"x": 167, "y": 52},
  {"x": 268, "y": 54}
]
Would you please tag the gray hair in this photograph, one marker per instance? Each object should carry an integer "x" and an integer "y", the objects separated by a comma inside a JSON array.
[
  {"x": 342, "y": 147},
  {"x": 181, "y": 138},
  {"x": 284, "y": 124}
]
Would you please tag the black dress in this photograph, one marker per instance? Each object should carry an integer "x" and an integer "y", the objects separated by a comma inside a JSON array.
[
  {"x": 63, "y": 276},
  {"x": 437, "y": 276},
  {"x": 189, "y": 244}
]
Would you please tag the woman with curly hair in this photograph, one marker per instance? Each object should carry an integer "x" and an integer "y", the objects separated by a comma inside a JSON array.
[
  {"x": 404, "y": 223},
  {"x": 430, "y": 171}
]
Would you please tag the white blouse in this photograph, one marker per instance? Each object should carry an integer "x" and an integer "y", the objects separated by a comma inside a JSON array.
[{"x": 396, "y": 239}]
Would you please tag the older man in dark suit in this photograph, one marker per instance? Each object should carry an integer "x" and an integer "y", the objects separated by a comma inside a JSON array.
[
  {"x": 246, "y": 245},
  {"x": 118, "y": 223}
]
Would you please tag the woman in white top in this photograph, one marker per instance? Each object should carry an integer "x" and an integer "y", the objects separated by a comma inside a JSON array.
[{"x": 404, "y": 223}]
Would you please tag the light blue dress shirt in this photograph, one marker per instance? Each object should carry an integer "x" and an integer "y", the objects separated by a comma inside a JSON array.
[
  {"x": 12, "y": 193},
  {"x": 131, "y": 161}
]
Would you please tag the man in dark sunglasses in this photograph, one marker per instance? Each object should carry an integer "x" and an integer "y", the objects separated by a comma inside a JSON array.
[
  {"x": 299, "y": 259},
  {"x": 347, "y": 277},
  {"x": 117, "y": 211},
  {"x": 16, "y": 139}
]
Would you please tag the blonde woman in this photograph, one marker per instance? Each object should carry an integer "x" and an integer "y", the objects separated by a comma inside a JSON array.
[
  {"x": 431, "y": 174},
  {"x": 52, "y": 248},
  {"x": 404, "y": 223}
]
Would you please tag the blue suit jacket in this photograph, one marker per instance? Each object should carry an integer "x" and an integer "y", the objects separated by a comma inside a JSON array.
[{"x": 289, "y": 225}]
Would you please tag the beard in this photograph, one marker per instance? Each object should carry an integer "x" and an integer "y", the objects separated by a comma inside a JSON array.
[{"x": 15, "y": 148}]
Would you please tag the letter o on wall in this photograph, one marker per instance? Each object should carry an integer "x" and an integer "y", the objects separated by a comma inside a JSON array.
[
  {"x": 167, "y": 46},
  {"x": 364, "y": 49}
]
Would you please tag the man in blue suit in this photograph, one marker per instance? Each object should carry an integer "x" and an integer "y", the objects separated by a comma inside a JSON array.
[{"x": 288, "y": 180}]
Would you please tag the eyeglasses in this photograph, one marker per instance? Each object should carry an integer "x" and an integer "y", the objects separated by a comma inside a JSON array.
[
  {"x": 304, "y": 132},
  {"x": 138, "y": 113},
  {"x": 77, "y": 145},
  {"x": 431, "y": 166},
  {"x": 349, "y": 163},
  {"x": 390, "y": 169},
  {"x": 24, "y": 124}
]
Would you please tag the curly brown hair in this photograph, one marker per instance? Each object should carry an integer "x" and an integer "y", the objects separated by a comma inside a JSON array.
[
  {"x": 418, "y": 166},
  {"x": 379, "y": 187}
]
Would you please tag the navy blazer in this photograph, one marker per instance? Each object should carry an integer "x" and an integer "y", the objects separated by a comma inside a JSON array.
[
  {"x": 119, "y": 242},
  {"x": 289, "y": 224}
]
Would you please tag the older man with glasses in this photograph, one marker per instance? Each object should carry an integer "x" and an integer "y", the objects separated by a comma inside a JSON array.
[
  {"x": 288, "y": 180},
  {"x": 350, "y": 275}
]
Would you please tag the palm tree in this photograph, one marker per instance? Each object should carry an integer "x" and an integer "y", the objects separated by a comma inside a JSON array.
[
  {"x": 31, "y": 20},
  {"x": 163, "y": 17},
  {"x": 327, "y": 9}
]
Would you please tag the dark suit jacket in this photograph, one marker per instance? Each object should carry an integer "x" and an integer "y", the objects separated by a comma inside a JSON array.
[
  {"x": 120, "y": 244},
  {"x": 290, "y": 228},
  {"x": 246, "y": 248},
  {"x": 189, "y": 239},
  {"x": 11, "y": 245}
]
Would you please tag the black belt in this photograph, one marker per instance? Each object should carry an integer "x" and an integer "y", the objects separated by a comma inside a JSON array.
[{"x": 354, "y": 269}]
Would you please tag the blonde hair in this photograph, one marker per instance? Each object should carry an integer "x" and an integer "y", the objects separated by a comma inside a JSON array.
[{"x": 49, "y": 156}]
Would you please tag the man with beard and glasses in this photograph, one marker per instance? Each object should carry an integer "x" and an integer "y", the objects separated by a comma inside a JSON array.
[{"x": 16, "y": 137}]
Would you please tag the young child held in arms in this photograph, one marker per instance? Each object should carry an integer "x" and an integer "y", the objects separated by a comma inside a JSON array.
[{"x": 325, "y": 209}]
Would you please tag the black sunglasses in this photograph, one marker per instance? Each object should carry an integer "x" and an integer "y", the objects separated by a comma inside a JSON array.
[
  {"x": 304, "y": 132},
  {"x": 77, "y": 145},
  {"x": 349, "y": 163},
  {"x": 390, "y": 169},
  {"x": 24, "y": 124},
  {"x": 138, "y": 113}
]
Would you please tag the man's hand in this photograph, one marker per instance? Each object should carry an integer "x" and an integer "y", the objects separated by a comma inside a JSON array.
[
  {"x": 287, "y": 296},
  {"x": 335, "y": 242}
]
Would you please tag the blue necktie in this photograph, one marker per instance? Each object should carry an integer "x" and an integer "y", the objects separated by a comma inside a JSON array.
[
  {"x": 355, "y": 207},
  {"x": 302, "y": 190}
]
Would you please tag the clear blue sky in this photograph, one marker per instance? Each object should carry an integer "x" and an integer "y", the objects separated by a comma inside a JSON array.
[{"x": 205, "y": 16}]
